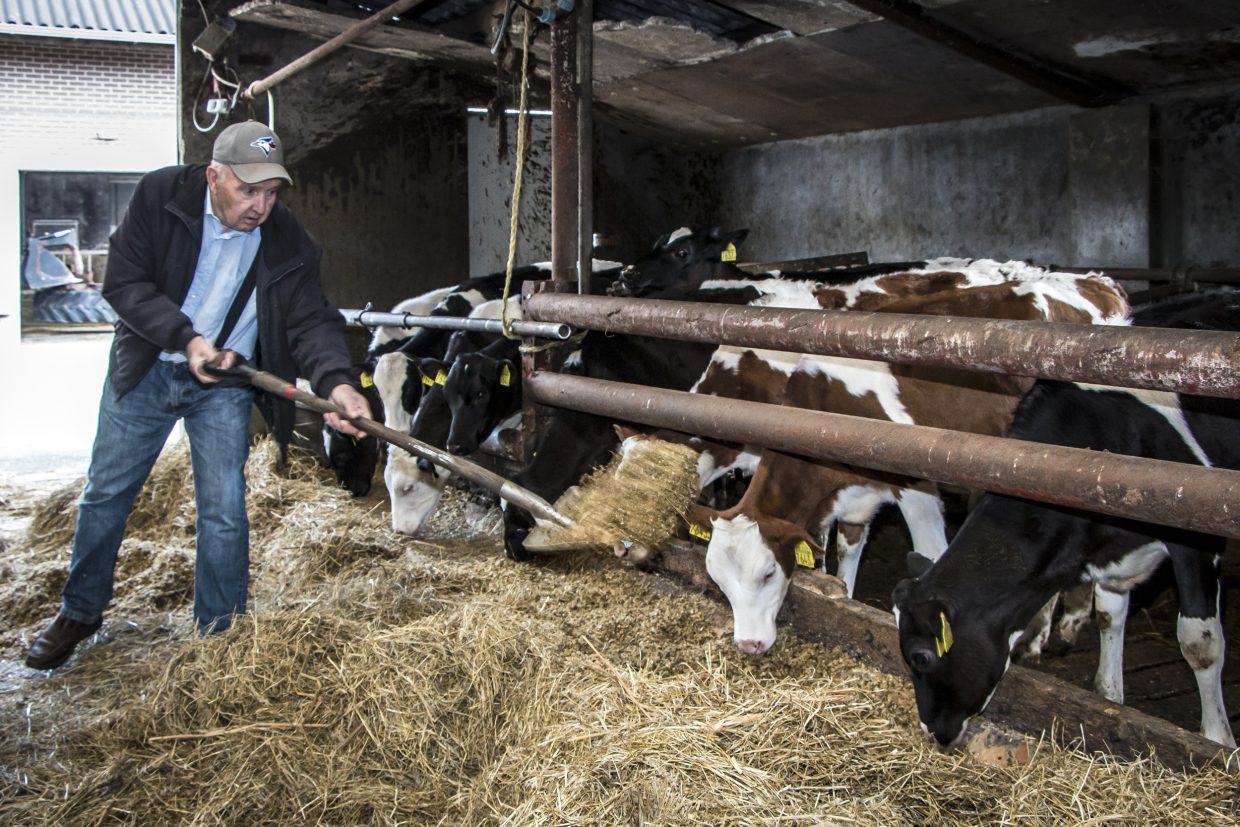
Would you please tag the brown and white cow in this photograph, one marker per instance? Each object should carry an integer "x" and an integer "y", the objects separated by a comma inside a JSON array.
[{"x": 795, "y": 502}]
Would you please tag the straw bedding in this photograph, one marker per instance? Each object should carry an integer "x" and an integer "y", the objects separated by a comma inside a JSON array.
[{"x": 381, "y": 680}]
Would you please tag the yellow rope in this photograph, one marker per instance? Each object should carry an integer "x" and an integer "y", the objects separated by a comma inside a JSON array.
[
  {"x": 505, "y": 323},
  {"x": 576, "y": 338}
]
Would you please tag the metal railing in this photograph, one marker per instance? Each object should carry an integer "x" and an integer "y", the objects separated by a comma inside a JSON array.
[{"x": 1170, "y": 493}]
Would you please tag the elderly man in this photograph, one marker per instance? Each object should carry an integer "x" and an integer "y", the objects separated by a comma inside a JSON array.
[{"x": 206, "y": 268}]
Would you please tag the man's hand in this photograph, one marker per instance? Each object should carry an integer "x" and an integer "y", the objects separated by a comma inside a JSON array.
[
  {"x": 352, "y": 403},
  {"x": 200, "y": 352}
]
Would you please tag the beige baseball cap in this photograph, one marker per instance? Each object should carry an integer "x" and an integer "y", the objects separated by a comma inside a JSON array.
[{"x": 253, "y": 151}]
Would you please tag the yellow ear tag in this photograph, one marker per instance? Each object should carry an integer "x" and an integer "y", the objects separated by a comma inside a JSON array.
[
  {"x": 429, "y": 382},
  {"x": 367, "y": 380},
  {"x": 729, "y": 253},
  {"x": 440, "y": 378},
  {"x": 505, "y": 377},
  {"x": 805, "y": 555},
  {"x": 943, "y": 643},
  {"x": 697, "y": 531}
]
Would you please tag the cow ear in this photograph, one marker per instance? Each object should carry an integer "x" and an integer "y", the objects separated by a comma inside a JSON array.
[
  {"x": 805, "y": 551},
  {"x": 431, "y": 370},
  {"x": 917, "y": 564},
  {"x": 508, "y": 373},
  {"x": 699, "y": 520},
  {"x": 623, "y": 432},
  {"x": 737, "y": 236}
]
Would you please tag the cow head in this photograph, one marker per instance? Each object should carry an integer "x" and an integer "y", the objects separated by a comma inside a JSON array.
[
  {"x": 354, "y": 459},
  {"x": 399, "y": 385},
  {"x": 414, "y": 488},
  {"x": 954, "y": 661},
  {"x": 480, "y": 391},
  {"x": 679, "y": 261},
  {"x": 752, "y": 562}
]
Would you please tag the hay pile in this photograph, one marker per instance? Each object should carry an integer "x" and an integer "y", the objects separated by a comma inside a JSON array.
[{"x": 379, "y": 680}]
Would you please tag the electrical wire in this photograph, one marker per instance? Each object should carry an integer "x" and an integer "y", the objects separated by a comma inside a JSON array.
[{"x": 198, "y": 97}]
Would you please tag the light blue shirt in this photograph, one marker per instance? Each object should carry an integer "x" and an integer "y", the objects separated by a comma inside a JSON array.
[{"x": 225, "y": 258}]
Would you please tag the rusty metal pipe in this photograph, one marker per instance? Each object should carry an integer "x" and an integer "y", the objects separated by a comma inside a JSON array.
[
  {"x": 323, "y": 50},
  {"x": 1169, "y": 493},
  {"x": 1197, "y": 362}
]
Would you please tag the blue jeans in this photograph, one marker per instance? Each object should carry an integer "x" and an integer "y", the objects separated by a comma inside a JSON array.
[{"x": 132, "y": 431}]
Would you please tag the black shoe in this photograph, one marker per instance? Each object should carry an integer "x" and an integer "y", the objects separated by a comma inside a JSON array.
[{"x": 56, "y": 644}]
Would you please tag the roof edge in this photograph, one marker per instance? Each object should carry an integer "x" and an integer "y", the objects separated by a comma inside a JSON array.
[{"x": 87, "y": 34}]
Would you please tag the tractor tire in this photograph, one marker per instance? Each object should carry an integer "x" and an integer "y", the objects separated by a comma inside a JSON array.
[{"x": 72, "y": 306}]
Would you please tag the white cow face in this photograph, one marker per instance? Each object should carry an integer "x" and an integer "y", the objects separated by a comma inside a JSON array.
[
  {"x": 414, "y": 493},
  {"x": 746, "y": 567}
]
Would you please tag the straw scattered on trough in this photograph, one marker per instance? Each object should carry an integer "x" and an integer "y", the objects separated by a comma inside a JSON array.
[
  {"x": 379, "y": 680},
  {"x": 637, "y": 497}
]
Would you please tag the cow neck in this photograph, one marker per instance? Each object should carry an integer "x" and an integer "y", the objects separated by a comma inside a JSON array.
[{"x": 985, "y": 571}]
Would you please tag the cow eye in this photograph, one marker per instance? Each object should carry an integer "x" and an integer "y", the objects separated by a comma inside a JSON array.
[
  {"x": 767, "y": 575},
  {"x": 682, "y": 254},
  {"x": 921, "y": 660}
]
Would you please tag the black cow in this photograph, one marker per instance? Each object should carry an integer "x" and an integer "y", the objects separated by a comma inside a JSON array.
[
  {"x": 680, "y": 260},
  {"x": 482, "y": 389},
  {"x": 959, "y": 618},
  {"x": 354, "y": 459}
]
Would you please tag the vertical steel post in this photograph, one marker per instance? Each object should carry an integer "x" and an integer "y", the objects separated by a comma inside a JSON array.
[
  {"x": 585, "y": 143},
  {"x": 565, "y": 96}
]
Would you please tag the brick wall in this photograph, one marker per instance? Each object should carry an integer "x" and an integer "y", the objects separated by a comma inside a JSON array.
[{"x": 62, "y": 96}]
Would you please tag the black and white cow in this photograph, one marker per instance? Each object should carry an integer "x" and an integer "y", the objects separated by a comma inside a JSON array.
[
  {"x": 693, "y": 257},
  {"x": 958, "y": 618},
  {"x": 416, "y": 485}
]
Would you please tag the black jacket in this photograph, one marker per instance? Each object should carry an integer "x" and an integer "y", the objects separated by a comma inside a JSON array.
[{"x": 151, "y": 261}]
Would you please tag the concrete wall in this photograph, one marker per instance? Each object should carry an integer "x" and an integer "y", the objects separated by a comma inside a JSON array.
[
  {"x": 1200, "y": 180},
  {"x": 1149, "y": 184},
  {"x": 997, "y": 188},
  {"x": 641, "y": 191},
  {"x": 490, "y": 194},
  {"x": 389, "y": 206}
]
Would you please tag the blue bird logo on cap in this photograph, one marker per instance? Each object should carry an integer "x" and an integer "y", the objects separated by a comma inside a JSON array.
[{"x": 266, "y": 144}]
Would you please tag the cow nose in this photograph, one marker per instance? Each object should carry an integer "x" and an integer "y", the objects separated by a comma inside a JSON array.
[{"x": 752, "y": 647}]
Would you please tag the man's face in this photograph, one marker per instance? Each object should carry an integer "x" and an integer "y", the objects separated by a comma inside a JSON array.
[{"x": 238, "y": 205}]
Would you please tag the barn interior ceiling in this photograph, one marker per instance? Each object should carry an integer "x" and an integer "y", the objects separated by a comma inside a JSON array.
[{"x": 725, "y": 73}]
